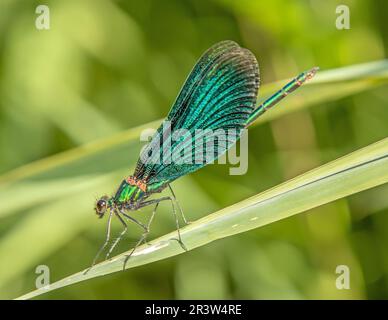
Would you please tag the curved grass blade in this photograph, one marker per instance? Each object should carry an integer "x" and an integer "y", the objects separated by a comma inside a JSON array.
[
  {"x": 358, "y": 171},
  {"x": 46, "y": 181}
]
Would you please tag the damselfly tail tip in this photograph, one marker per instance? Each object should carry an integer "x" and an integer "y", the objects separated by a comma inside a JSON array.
[{"x": 311, "y": 73}]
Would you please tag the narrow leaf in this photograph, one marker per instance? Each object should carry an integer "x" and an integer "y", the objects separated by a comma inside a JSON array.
[{"x": 361, "y": 170}]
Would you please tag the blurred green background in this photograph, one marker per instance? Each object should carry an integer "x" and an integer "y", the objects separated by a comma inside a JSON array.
[{"x": 106, "y": 66}]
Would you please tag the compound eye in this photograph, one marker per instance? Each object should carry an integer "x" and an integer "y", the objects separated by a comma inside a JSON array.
[{"x": 101, "y": 206}]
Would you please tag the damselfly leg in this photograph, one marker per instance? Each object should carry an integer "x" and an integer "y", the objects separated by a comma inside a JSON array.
[
  {"x": 179, "y": 206},
  {"x": 108, "y": 232},
  {"x": 144, "y": 235},
  {"x": 119, "y": 237},
  {"x": 105, "y": 243}
]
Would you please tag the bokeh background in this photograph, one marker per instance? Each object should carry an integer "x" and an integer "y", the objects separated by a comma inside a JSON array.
[{"x": 106, "y": 66}]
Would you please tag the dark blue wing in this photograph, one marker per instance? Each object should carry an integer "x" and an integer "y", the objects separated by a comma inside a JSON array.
[{"x": 217, "y": 97}]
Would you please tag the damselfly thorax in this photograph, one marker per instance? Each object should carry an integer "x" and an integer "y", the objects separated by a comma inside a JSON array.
[
  {"x": 133, "y": 191},
  {"x": 130, "y": 192}
]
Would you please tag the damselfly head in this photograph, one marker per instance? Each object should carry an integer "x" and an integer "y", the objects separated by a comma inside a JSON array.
[{"x": 101, "y": 206}]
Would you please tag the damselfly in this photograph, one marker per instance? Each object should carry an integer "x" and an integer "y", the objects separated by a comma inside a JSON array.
[{"x": 220, "y": 93}]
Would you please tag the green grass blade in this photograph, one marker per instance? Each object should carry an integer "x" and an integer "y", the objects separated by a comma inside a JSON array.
[
  {"x": 69, "y": 179},
  {"x": 358, "y": 171}
]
